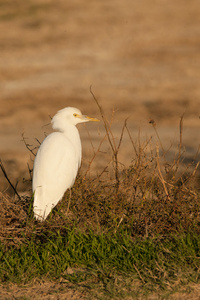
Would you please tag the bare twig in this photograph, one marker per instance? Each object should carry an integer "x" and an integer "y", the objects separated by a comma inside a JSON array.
[
  {"x": 122, "y": 134},
  {"x": 131, "y": 139},
  {"x": 10, "y": 183},
  {"x": 28, "y": 146},
  {"x": 95, "y": 154},
  {"x": 106, "y": 125},
  {"x": 160, "y": 173},
  {"x": 38, "y": 143},
  {"x": 180, "y": 142},
  {"x": 111, "y": 140},
  {"x": 153, "y": 123},
  {"x": 30, "y": 171}
]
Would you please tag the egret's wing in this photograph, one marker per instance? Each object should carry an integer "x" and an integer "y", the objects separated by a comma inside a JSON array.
[{"x": 55, "y": 169}]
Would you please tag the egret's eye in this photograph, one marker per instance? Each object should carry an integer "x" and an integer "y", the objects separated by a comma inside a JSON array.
[{"x": 75, "y": 115}]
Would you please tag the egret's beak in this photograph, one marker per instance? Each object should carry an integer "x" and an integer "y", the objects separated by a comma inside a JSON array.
[
  {"x": 91, "y": 119},
  {"x": 85, "y": 118}
]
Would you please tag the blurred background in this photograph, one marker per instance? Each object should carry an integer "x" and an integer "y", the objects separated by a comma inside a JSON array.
[{"x": 142, "y": 59}]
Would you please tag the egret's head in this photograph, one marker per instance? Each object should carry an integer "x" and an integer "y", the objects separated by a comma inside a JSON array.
[{"x": 69, "y": 116}]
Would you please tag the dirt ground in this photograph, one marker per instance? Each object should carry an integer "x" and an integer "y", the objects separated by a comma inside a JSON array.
[
  {"x": 43, "y": 290},
  {"x": 65, "y": 291},
  {"x": 142, "y": 59}
]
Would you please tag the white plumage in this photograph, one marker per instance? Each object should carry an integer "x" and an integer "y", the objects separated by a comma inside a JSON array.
[{"x": 57, "y": 161}]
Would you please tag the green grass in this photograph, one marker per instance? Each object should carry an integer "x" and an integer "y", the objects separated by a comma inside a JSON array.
[{"x": 103, "y": 258}]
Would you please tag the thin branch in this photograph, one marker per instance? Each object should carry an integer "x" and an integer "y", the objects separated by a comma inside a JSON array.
[
  {"x": 27, "y": 145},
  {"x": 153, "y": 123},
  {"x": 122, "y": 134},
  {"x": 103, "y": 118},
  {"x": 160, "y": 174},
  {"x": 131, "y": 139},
  {"x": 95, "y": 154},
  {"x": 30, "y": 171},
  {"x": 180, "y": 142},
  {"x": 110, "y": 139},
  {"x": 10, "y": 183}
]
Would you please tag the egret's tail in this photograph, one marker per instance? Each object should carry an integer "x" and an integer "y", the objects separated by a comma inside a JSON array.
[{"x": 40, "y": 208}]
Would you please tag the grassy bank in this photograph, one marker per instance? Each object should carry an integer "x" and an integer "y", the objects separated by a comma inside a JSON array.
[
  {"x": 108, "y": 262},
  {"x": 128, "y": 232}
]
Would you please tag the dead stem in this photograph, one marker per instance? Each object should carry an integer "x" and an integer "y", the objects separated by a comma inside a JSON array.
[
  {"x": 111, "y": 140},
  {"x": 180, "y": 143},
  {"x": 6, "y": 176},
  {"x": 153, "y": 123},
  {"x": 160, "y": 173},
  {"x": 28, "y": 146}
]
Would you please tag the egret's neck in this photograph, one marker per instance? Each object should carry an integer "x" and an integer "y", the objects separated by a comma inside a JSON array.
[{"x": 72, "y": 134}]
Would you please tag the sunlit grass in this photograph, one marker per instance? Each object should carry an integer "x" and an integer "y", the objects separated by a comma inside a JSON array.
[{"x": 102, "y": 258}]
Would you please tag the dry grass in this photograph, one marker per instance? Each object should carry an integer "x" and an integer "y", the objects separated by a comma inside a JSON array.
[{"x": 153, "y": 196}]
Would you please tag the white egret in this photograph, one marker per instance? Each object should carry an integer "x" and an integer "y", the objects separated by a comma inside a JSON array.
[{"x": 57, "y": 161}]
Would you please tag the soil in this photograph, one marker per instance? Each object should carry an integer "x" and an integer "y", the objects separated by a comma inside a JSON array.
[
  {"x": 142, "y": 60},
  {"x": 48, "y": 290}
]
